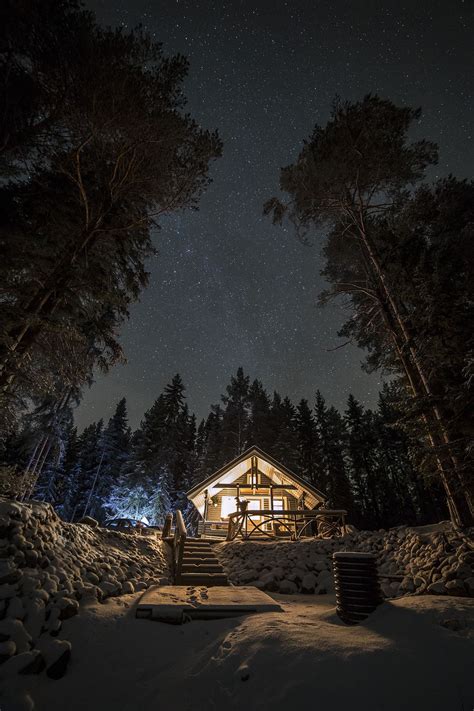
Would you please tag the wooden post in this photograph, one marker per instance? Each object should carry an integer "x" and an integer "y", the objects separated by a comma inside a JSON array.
[{"x": 206, "y": 496}]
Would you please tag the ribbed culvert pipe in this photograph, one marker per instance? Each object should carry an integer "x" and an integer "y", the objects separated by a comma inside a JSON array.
[{"x": 357, "y": 585}]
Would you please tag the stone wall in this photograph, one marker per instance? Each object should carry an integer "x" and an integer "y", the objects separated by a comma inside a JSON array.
[{"x": 428, "y": 560}]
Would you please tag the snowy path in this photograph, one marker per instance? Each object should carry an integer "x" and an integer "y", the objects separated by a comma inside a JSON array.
[{"x": 401, "y": 659}]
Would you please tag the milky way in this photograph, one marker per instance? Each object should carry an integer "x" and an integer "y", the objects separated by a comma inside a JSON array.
[{"x": 228, "y": 288}]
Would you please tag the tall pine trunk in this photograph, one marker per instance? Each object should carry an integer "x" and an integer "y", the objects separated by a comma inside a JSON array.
[{"x": 459, "y": 500}]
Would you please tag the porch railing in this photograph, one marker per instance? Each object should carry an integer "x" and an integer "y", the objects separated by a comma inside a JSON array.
[
  {"x": 179, "y": 541},
  {"x": 322, "y": 523}
]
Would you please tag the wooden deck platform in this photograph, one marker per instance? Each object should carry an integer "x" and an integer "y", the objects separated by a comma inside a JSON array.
[{"x": 176, "y": 604}]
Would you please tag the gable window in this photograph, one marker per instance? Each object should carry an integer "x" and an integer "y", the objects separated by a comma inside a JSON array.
[{"x": 254, "y": 480}]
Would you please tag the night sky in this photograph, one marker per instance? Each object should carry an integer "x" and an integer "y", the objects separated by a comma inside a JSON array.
[{"x": 227, "y": 287}]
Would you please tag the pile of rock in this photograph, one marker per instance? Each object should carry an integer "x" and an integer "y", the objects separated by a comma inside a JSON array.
[
  {"x": 410, "y": 561},
  {"x": 48, "y": 568}
]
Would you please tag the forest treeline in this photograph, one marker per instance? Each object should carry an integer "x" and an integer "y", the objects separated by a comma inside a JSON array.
[{"x": 360, "y": 459}]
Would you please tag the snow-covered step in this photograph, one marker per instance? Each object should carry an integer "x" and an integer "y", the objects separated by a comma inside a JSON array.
[
  {"x": 207, "y": 579},
  {"x": 202, "y": 569},
  {"x": 192, "y": 560}
]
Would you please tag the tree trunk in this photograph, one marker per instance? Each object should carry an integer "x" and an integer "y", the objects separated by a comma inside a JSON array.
[{"x": 459, "y": 500}]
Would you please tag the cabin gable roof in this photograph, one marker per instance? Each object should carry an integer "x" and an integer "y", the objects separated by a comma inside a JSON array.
[{"x": 233, "y": 470}]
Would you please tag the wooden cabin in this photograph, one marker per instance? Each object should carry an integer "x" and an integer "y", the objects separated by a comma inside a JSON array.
[{"x": 254, "y": 482}]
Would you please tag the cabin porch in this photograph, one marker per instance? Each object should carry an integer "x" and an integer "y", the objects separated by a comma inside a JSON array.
[{"x": 276, "y": 524}]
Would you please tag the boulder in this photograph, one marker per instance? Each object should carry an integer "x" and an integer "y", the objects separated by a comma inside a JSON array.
[
  {"x": 247, "y": 575},
  {"x": 268, "y": 582},
  {"x": 9, "y": 572},
  {"x": 56, "y": 653},
  {"x": 89, "y": 521},
  {"x": 127, "y": 588},
  {"x": 286, "y": 587},
  {"x": 407, "y": 584},
  {"x": 469, "y": 583},
  {"x": 7, "y": 650},
  {"x": 14, "y": 630},
  {"x": 29, "y": 662},
  {"x": 456, "y": 587},
  {"x": 437, "y": 588},
  {"x": 325, "y": 582},
  {"x": 16, "y": 608},
  {"x": 309, "y": 583},
  {"x": 67, "y": 607}
]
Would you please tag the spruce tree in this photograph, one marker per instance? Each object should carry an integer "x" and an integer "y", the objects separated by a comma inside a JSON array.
[
  {"x": 361, "y": 447},
  {"x": 115, "y": 450},
  {"x": 236, "y": 414},
  {"x": 308, "y": 443},
  {"x": 86, "y": 474},
  {"x": 332, "y": 470},
  {"x": 259, "y": 431},
  {"x": 283, "y": 421}
]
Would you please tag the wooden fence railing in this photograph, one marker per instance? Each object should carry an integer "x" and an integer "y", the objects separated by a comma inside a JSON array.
[
  {"x": 179, "y": 541},
  {"x": 323, "y": 523}
]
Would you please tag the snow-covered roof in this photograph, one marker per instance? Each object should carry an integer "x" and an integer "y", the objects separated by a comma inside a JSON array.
[{"x": 232, "y": 471}]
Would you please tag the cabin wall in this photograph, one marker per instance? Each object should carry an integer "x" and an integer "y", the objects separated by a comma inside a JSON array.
[{"x": 214, "y": 512}]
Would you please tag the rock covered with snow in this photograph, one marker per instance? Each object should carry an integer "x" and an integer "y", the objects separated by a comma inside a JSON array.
[
  {"x": 437, "y": 560},
  {"x": 48, "y": 569}
]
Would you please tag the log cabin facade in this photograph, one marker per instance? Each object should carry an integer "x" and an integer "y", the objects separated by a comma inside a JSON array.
[{"x": 259, "y": 483}]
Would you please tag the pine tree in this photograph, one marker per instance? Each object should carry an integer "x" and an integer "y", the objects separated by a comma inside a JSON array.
[
  {"x": 235, "y": 417},
  {"x": 209, "y": 445},
  {"x": 86, "y": 474},
  {"x": 259, "y": 430},
  {"x": 67, "y": 484},
  {"x": 96, "y": 115},
  {"x": 115, "y": 450},
  {"x": 353, "y": 176},
  {"x": 362, "y": 463},
  {"x": 332, "y": 469},
  {"x": 284, "y": 425},
  {"x": 308, "y": 444},
  {"x": 51, "y": 480}
]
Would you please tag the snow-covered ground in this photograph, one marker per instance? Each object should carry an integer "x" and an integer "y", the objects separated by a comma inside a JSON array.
[
  {"x": 436, "y": 560},
  {"x": 414, "y": 653},
  {"x": 49, "y": 569},
  {"x": 69, "y": 638}
]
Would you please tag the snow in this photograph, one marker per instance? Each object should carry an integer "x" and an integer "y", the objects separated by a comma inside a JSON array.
[
  {"x": 436, "y": 559},
  {"x": 70, "y": 639},
  {"x": 49, "y": 569},
  {"x": 405, "y": 656}
]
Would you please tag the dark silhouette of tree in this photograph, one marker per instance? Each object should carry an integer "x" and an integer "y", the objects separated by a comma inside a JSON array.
[
  {"x": 350, "y": 176},
  {"x": 105, "y": 149}
]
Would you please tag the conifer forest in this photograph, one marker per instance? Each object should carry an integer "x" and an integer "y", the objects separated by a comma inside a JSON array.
[{"x": 98, "y": 147}]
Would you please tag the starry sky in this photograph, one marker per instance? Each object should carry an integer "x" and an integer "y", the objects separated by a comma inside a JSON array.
[{"x": 227, "y": 287}]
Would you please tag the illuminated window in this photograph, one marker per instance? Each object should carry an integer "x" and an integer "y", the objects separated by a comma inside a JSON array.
[
  {"x": 254, "y": 505},
  {"x": 278, "y": 505},
  {"x": 228, "y": 506}
]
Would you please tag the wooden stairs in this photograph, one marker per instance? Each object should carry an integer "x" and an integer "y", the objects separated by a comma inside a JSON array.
[{"x": 199, "y": 565}]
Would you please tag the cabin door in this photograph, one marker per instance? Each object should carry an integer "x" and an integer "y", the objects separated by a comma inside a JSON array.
[{"x": 255, "y": 504}]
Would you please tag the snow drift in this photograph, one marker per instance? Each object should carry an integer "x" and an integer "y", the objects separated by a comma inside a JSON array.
[
  {"x": 48, "y": 568},
  {"x": 418, "y": 561}
]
